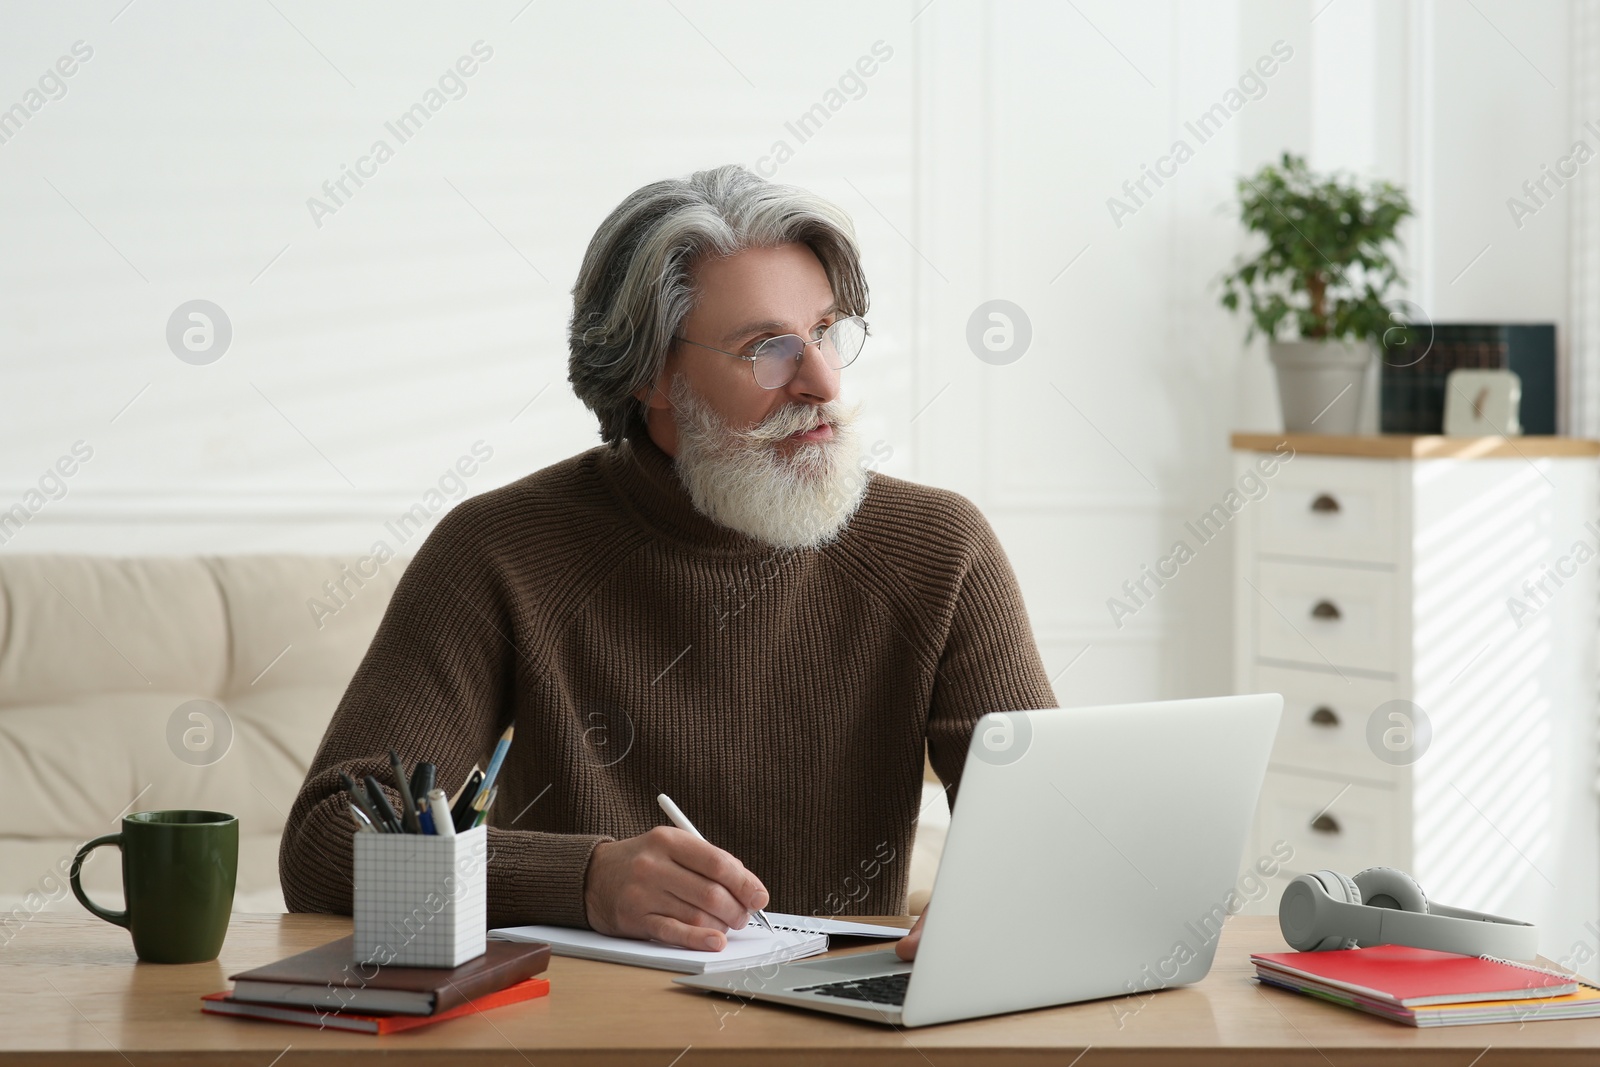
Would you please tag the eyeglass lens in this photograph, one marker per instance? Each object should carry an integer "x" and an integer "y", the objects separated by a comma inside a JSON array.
[{"x": 778, "y": 358}]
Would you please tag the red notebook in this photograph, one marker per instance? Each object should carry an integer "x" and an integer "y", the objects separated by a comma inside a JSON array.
[
  {"x": 224, "y": 1004},
  {"x": 1412, "y": 977}
]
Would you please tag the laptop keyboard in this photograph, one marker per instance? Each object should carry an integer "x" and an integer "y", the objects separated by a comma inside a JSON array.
[{"x": 879, "y": 989}]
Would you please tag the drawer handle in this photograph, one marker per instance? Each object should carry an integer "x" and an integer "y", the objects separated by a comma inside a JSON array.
[
  {"x": 1325, "y": 716},
  {"x": 1325, "y": 609},
  {"x": 1325, "y": 503},
  {"x": 1325, "y": 824}
]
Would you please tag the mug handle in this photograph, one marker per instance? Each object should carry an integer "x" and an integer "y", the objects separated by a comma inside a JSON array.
[{"x": 120, "y": 918}]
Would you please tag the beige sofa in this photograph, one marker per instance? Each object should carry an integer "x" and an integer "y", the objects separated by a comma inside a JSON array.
[{"x": 101, "y": 661}]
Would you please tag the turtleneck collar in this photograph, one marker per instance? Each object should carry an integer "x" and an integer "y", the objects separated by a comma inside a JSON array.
[{"x": 645, "y": 481}]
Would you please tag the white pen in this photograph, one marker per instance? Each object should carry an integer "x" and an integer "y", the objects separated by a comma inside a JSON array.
[
  {"x": 681, "y": 821},
  {"x": 439, "y": 809}
]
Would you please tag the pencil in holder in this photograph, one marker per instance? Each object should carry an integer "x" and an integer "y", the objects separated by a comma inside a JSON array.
[{"x": 420, "y": 898}]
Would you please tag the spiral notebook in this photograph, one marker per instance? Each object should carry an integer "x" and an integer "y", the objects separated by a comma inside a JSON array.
[
  {"x": 793, "y": 937},
  {"x": 813, "y": 924}
]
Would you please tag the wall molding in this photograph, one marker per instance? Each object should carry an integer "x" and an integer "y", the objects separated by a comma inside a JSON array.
[{"x": 165, "y": 505}]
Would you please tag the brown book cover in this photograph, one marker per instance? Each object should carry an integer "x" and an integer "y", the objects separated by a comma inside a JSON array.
[
  {"x": 223, "y": 1004},
  {"x": 329, "y": 976}
]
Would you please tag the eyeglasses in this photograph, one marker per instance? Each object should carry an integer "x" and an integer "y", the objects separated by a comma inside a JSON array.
[{"x": 776, "y": 360}]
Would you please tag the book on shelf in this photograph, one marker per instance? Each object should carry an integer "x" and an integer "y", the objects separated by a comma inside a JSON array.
[{"x": 1417, "y": 361}]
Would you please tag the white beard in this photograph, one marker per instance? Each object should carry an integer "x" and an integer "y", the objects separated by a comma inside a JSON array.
[{"x": 739, "y": 479}]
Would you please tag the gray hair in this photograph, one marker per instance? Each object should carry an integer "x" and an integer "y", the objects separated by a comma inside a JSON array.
[{"x": 634, "y": 289}]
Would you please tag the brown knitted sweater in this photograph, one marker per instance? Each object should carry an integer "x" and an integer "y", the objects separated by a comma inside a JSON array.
[{"x": 782, "y": 699}]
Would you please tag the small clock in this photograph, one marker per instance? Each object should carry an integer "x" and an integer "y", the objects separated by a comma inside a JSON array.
[{"x": 1482, "y": 403}]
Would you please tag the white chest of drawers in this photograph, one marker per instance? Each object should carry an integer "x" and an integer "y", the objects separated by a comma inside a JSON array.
[{"x": 1425, "y": 608}]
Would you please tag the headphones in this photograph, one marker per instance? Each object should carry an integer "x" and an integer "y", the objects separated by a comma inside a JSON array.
[{"x": 1383, "y": 906}]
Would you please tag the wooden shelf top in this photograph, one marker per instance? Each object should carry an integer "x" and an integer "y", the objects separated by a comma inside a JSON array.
[{"x": 1418, "y": 446}]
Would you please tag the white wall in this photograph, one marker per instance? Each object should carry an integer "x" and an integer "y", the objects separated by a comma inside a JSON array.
[
  {"x": 1036, "y": 116},
  {"x": 372, "y": 350},
  {"x": 428, "y": 311}
]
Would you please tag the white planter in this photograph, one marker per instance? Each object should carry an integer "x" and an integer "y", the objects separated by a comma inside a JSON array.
[{"x": 1319, "y": 383}]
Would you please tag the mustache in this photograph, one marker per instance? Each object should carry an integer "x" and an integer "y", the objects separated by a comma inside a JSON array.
[{"x": 797, "y": 418}]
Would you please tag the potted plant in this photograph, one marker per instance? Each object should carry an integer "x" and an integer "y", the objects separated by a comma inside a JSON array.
[{"x": 1317, "y": 291}]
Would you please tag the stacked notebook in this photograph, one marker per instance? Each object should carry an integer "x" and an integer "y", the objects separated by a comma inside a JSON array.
[
  {"x": 325, "y": 987},
  {"x": 1421, "y": 987},
  {"x": 792, "y": 937}
]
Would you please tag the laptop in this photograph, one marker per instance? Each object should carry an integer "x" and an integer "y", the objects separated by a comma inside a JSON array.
[{"x": 1093, "y": 852}]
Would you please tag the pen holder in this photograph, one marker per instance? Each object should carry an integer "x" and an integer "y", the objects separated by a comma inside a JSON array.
[{"x": 420, "y": 899}]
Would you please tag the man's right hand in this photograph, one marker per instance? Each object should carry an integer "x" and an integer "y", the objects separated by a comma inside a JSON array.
[{"x": 668, "y": 885}]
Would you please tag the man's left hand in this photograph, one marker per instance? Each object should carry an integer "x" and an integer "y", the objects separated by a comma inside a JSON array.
[{"x": 906, "y": 947}]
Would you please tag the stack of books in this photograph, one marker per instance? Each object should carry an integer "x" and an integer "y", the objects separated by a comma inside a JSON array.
[
  {"x": 1421, "y": 987},
  {"x": 328, "y": 988},
  {"x": 1417, "y": 362}
]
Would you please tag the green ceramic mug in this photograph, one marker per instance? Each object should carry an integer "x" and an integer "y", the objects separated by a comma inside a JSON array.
[{"x": 178, "y": 871}]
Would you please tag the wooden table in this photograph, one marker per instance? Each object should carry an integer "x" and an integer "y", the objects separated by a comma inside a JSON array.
[{"x": 71, "y": 993}]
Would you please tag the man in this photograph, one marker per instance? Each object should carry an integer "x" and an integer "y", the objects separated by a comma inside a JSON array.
[{"x": 719, "y": 603}]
